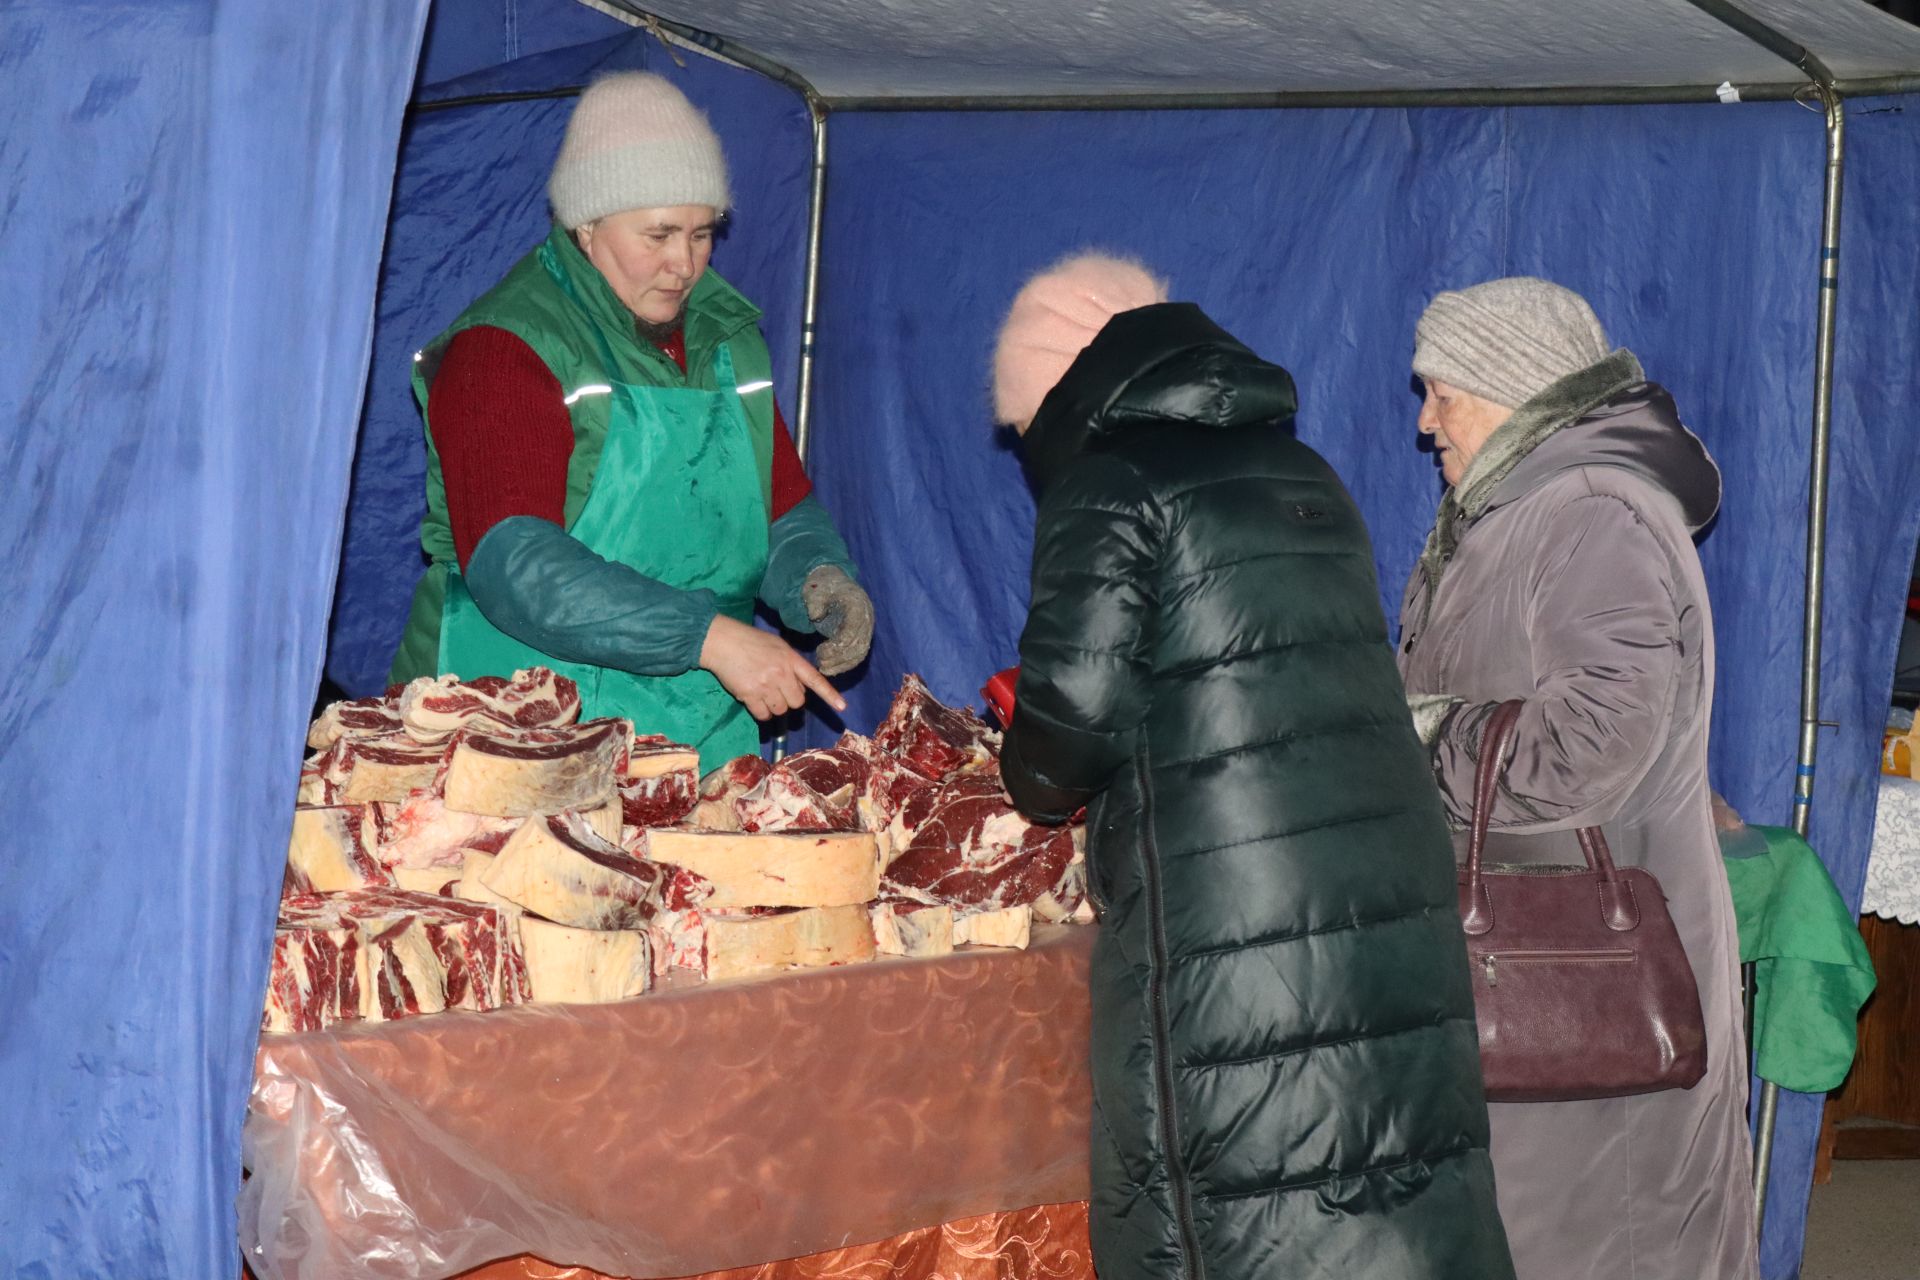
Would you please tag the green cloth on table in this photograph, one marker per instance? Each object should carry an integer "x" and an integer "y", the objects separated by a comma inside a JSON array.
[{"x": 1811, "y": 974}]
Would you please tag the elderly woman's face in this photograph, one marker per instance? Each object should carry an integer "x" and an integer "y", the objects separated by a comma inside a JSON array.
[
  {"x": 1459, "y": 423},
  {"x": 651, "y": 257}
]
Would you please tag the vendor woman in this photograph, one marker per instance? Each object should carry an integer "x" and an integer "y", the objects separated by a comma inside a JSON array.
[{"x": 610, "y": 486}]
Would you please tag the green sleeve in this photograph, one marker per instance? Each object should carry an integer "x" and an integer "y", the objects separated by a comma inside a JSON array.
[
  {"x": 1086, "y": 653},
  {"x": 548, "y": 590}
]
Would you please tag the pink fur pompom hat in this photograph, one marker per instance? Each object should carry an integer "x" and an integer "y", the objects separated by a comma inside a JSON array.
[{"x": 1053, "y": 317}]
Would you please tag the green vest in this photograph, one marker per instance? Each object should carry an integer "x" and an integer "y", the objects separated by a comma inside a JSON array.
[{"x": 569, "y": 328}]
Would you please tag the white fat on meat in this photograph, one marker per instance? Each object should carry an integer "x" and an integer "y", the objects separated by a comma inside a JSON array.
[
  {"x": 798, "y": 869},
  {"x": 544, "y": 772},
  {"x": 435, "y": 880},
  {"x": 381, "y": 954},
  {"x": 653, "y": 755},
  {"x": 912, "y": 929},
  {"x": 737, "y": 946},
  {"x": 1007, "y": 927},
  {"x": 359, "y": 718},
  {"x": 471, "y": 888},
  {"x": 585, "y": 966},
  {"x": 559, "y": 867},
  {"x": 720, "y": 793},
  {"x": 423, "y": 833},
  {"x": 331, "y": 849},
  {"x": 362, "y": 770},
  {"x": 434, "y": 708}
]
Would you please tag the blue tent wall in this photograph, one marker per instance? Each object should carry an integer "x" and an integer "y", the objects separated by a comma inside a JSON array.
[
  {"x": 1317, "y": 237},
  {"x": 470, "y": 200},
  {"x": 465, "y": 36},
  {"x": 194, "y": 200}
]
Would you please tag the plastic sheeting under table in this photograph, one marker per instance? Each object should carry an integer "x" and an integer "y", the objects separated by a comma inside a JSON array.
[{"x": 699, "y": 1128}]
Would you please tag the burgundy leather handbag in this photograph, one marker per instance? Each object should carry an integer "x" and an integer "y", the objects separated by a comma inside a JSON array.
[{"x": 1580, "y": 985}]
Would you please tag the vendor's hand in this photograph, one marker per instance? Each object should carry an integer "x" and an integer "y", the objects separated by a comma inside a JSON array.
[
  {"x": 843, "y": 613},
  {"x": 761, "y": 670}
]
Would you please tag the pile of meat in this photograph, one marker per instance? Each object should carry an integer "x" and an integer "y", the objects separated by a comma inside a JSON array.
[{"x": 473, "y": 845}]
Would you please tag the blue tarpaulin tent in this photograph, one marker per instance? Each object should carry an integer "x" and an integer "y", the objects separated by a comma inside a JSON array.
[{"x": 195, "y": 205}]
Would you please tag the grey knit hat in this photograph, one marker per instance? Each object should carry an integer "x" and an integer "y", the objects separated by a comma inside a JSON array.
[
  {"x": 635, "y": 142},
  {"x": 1507, "y": 340}
]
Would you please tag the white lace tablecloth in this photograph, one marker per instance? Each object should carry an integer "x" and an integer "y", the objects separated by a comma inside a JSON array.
[{"x": 1893, "y": 865}]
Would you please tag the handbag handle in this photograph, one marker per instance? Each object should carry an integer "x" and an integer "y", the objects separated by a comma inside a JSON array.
[{"x": 1617, "y": 906}]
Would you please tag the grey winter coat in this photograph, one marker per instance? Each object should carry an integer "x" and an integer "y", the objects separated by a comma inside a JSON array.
[
  {"x": 1286, "y": 1076},
  {"x": 1572, "y": 583}
]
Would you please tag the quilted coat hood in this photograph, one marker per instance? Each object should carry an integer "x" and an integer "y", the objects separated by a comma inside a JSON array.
[
  {"x": 1163, "y": 364},
  {"x": 1638, "y": 430}
]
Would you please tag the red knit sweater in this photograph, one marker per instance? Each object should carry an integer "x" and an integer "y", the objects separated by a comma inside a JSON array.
[{"x": 504, "y": 435}]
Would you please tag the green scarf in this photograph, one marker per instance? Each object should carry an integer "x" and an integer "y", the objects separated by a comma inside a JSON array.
[{"x": 1560, "y": 404}]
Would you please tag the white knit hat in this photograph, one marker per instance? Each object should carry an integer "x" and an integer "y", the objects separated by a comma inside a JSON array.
[
  {"x": 635, "y": 142},
  {"x": 1507, "y": 340}
]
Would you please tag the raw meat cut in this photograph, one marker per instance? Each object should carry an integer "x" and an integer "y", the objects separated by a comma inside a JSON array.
[
  {"x": 315, "y": 976},
  {"x": 380, "y": 954},
  {"x": 470, "y": 885},
  {"x": 359, "y": 718},
  {"x": 559, "y": 867},
  {"x": 584, "y": 966},
  {"x": 678, "y": 938},
  {"x": 661, "y": 785},
  {"x": 431, "y": 880},
  {"x": 931, "y": 738},
  {"x": 360, "y": 770},
  {"x": 1005, "y": 927},
  {"x": 825, "y": 869},
  {"x": 678, "y": 935},
  {"x": 888, "y": 786},
  {"x": 541, "y": 771},
  {"x": 432, "y": 708},
  {"x": 737, "y": 945},
  {"x": 721, "y": 789},
  {"x": 654, "y": 754},
  {"x": 1067, "y": 901},
  {"x": 964, "y": 845},
  {"x": 422, "y": 832},
  {"x": 816, "y": 790},
  {"x": 330, "y": 849},
  {"x": 477, "y": 947},
  {"x": 902, "y": 928}
]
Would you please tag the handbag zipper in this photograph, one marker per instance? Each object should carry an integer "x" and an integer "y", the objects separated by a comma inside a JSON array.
[{"x": 1490, "y": 962}]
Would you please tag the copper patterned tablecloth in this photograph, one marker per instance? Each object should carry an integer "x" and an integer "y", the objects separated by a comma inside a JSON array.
[
  {"x": 697, "y": 1129},
  {"x": 1045, "y": 1242}
]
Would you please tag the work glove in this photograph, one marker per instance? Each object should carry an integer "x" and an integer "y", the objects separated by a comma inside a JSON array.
[{"x": 841, "y": 612}]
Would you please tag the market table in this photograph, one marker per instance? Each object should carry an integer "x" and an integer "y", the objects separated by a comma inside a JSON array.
[{"x": 700, "y": 1128}]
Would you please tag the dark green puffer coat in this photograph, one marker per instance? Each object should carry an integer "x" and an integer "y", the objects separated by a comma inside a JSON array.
[{"x": 1286, "y": 1078}]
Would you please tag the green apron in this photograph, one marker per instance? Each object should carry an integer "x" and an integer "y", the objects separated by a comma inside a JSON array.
[{"x": 678, "y": 497}]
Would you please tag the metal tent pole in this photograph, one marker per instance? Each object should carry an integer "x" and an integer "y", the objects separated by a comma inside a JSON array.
[
  {"x": 1816, "y": 553},
  {"x": 1829, "y": 287},
  {"x": 810, "y": 296}
]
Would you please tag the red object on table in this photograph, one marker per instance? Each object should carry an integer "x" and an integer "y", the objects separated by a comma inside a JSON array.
[{"x": 999, "y": 695}]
